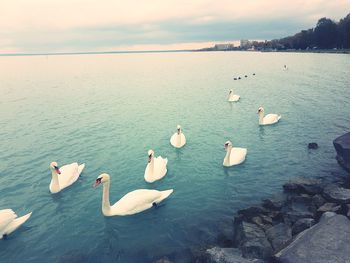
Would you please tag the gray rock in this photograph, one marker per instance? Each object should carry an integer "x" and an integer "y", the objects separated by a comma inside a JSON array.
[
  {"x": 252, "y": 240},
  {"x": 274, "y": 203},
  {"x": 225, "y": 255},
  {"x": 261, "y": 223},
  {"x": 327, "y": 241},
  {"x": 318, "y": 200},
  {"x": 252, "y": 211},
  {"x": 304, "y": 185},
  {"x": 327, "y": 215},
  {"x": 337, "y": 194},
  {"x": 298, "y": 207},
  {"x": 342, "y": 146},
  {"x": 163, "y": 260},
  {"x": 329, "y": 207},
  {"x": 302, "y": 224},
  {"x": 279, "y": 236},
  {"x": 312, "y": 145}
]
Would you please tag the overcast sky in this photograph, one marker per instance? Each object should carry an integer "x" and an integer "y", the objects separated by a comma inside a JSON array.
[{"x": 33, "y": 26}]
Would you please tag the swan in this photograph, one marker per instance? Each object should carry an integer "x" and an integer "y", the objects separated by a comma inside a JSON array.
[
  {"x": 9, "y": 221},
  {"x": 156, "y": 167},
  {"x": 131, "y": 203},
  {"x": 178, "y": 139},
  {"x": 234, "y": 156},
  {"x": 268, "y": 119},
  {"x": 232, "y": 97},
  {"x": 64, "y": 176}
]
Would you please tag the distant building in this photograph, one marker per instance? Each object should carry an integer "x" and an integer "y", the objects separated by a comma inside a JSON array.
[
  {"x": 245, "y": 44},
  {"x": 223, "y": 46}
]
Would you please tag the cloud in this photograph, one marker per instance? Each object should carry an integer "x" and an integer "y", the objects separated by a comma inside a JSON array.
[{"x": 89, "y": 25}]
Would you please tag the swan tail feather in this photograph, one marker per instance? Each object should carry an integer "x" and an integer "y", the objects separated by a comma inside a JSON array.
[
  {"x": 164, "y": 194},
  {"x": 81, "y": 168},
  {"x": 17, "y": 223}
]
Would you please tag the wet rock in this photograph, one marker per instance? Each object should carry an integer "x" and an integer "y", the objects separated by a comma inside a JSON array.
[
  {"x": 303, "y": 185},
  {"x": 225, "y": 255},
  {"x": 298, "y": 207},
  {"x": 337, "y": 194},
  {"x": 261, "y": 223},
  {"x": 327, "y": 241},
  {"x": 342, "y": 146},
  {"x": 279, "y": 236},
  {"x": 318, "y": 200},
  {"x": 251, "y": 239},
  {"x": 302, "y": 224},
  {"x": 312, "y": 145},
  {"x": 347, "y": 210},
  {"x": 252, "y": 211},
  {"x": 327, "y": 215},
  {"x": 329, "y": 207},
  {"x": 273, "y": 203},
  {"x": 163, "y": 260}
]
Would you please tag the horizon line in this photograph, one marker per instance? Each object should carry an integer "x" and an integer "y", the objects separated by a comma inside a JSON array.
[{"x": 94, "y": 52}]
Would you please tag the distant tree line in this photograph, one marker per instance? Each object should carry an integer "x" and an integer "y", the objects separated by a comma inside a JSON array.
[{"x": 326, "y": 35}]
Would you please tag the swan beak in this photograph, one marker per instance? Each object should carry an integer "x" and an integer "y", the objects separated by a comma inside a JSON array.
[
  {"x": 97, "y": 183},
  {"x": 178, "y": 131},
  {"x": 225, "y": 146},
  {"x": 149, "y": 158},
  {"x": 57, "y": 170}
]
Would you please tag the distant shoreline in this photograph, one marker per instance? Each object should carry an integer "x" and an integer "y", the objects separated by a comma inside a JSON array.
[{"x": 325, "y": 51}]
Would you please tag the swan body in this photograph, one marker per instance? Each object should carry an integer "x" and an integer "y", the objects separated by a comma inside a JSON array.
[
  {"x": 9, "y": 221},
  {"x": 234, "y": 156},
  {"x": 156, "y": 168},
  {"x": 131, "y": 203},
  {"x": 268, "y": 119},
  {"x": 178, "y": 139},
  {"x": 64, "y": 176},
  {"x": 232, "y": 97}
]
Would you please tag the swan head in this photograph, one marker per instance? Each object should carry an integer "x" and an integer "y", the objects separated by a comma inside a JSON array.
[
  {"x": 227, "y": 145},
  {"x": 230, "y": 91},
  {"x": 101, "y": 179},
  {"x": 260, "y": 110},
  {"x": 150, "y": 155},
  {"x": 54, "y": 168},
  {"x": 178, "y": 129}
]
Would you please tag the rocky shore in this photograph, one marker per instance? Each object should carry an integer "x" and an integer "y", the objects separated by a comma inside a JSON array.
[{"x": 308, "y": 222}]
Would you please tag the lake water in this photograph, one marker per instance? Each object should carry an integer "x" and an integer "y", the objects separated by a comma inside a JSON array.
[{"x": 109, "y": 110}]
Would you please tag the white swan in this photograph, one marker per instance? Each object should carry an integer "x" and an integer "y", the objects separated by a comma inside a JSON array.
[
  {"x": 234, "y": 156},
  {"x": 268, "y": 119},
  {"x": 156, "y": 167},
  {"x": 232, "y": 97},
  {"x": 9, "y": 221},
  {"x": 178, "y": 139},
  {"x": 64, "y": 176},
  {"x": 131, "y": 203}
]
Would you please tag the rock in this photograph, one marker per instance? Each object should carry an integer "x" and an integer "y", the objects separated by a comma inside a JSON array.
[
  {"x": 279, "y": 236},
  {"x": 327, "y": 241},
  {"x": 312, "y": 145},
  {"x": 261, "y": 223},
  {"x": 252, "y": 211},
  {"x": 337, "y": 194},
  {"x": 342, "y": 146},
  {"x": 251, "y": 240},
  {"x": 163, "y": 260},
  {"x": 347, "y": 210},
  {"x": 273, "y": 203},
  {"x": 225, "y": 255},
  {"x": 302, "y": 224},
  {"x": 318, "y": 200},
  {"x": 327, "y": 215},
  {"x": 298, "y": 207},
  {"x": 303, "y": 185},
  {"x": 329, "y": 207}
]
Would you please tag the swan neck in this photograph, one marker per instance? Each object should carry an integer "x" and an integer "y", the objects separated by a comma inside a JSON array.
[
  {"x": 261, "y": 117},
  {"x": 55, "y": 183},
  {"x": 105, "y": 198},
  {"x": 151, "y": 165},
  {"x": 228, "y": 154}
]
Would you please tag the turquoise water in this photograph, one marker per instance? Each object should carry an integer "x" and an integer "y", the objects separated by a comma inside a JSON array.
[{"x": 109, "y": 110}]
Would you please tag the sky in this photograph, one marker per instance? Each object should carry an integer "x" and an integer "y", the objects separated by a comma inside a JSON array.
[{"x": 39, "y": 26}]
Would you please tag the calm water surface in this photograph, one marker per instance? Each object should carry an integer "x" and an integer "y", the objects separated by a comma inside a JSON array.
[{"x": 109, "y": 110}]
